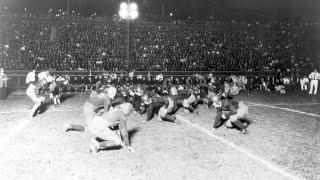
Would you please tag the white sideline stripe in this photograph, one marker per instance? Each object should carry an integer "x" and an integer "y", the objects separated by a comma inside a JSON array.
[
  {"x": 287, "y": 104},
  {"x": 286, "y": 109},
  {"x": 13, "y": 132},
  {"x": 26, "y": 111},
  {"x": 242, "y": 150}
]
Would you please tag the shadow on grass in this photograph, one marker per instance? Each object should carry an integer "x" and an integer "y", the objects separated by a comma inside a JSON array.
[
  {"x": 66, "y": 96},
  {"x": 132, "y": 133}
]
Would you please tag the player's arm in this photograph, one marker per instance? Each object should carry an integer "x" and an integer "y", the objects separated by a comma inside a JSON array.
[
  {"x": 117, "y": 101},
  {"x": 143, "y": 109},
  {"x": 233, "y": 110},
  {"x": 106, "y": 106},
  {"x": 123, "y": 130},
  {"x": 218, "y": 118}
]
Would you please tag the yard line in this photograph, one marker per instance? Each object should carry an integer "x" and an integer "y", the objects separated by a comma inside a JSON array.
[
  {"x": 287, "y": 104},
  {"x": 28, "y": 110},
  {"x": 242, "y": 150},
  {"x": 285, "y": 109}
]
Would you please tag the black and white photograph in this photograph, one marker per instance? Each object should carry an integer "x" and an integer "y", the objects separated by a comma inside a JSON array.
[{"x": 160, "y": 89}]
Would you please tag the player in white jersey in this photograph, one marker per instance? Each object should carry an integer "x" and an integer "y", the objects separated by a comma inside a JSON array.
[
  {"x": 304, "y": 83},
  {"x": 31, "y": 77}
]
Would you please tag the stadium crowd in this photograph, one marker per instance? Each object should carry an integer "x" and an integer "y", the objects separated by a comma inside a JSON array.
[{"x": 79, "y": 44}]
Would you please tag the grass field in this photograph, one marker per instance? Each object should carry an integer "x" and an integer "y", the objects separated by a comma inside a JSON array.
[{"x": 283, "y": 143}]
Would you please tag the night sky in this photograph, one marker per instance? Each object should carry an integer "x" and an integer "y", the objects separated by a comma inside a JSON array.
[{"x": 181, "y": 8}]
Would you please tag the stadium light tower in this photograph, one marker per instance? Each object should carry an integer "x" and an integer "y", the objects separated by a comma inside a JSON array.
[{"x": 128, "y": 11}]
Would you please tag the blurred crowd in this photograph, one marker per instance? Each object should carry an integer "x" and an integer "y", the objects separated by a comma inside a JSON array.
[
  {"x": 232, "y": 84},
  {"x": 62, "y": 44}
]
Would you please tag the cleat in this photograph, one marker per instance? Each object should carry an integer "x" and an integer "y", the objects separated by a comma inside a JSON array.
[
  {"x": 244, "y": 131},
  {"x": 94, "y": 147}
]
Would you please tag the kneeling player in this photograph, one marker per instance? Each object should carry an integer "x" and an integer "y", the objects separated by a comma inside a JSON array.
[
  {"x": 166, "y": 111},
  {"x": 163, "y": 106},
  {"x": 237, "y": 111},
  {"x": 98, "y": 103},
  {"x": 102, "y": 127}
]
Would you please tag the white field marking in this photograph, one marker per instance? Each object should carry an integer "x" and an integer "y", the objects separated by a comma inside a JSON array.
[
  {"x": 13, "y": 132},
  {"x": 28, "y": 110},
  {"x": 285, "y": 109},
  {"x": 287, "y": 104},
  {"x": 242, "y": 150}
]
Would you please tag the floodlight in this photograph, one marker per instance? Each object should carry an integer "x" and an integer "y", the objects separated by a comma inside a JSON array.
[
  {"x": 123, "y": 6},
  {"x": 133, "y": 7},
  {"x": 134, "y": 14},
  {"x": 123, "y": 13}
]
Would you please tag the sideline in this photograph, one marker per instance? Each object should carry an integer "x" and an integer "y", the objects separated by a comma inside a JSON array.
[
  {"x": 285, "y": 109},
  {"x": 50, "y": 111},
  {"x": 242, "y": 150},
  {"x": 287, "y": 104}
]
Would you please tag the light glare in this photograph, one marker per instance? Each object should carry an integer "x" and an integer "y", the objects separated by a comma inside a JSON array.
[
  {"x": 123, "y": 6},
  {"x": 123, "y": 13},
  {"x": 133, "y": 7},
  {"x": 134, "y": 14}
]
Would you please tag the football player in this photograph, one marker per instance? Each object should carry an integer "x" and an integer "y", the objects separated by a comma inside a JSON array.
[
  {"x": 102, "y": 126},
  {"x": 230, "y": 112}
]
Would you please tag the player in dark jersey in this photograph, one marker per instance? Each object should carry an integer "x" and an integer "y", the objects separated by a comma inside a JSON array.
[
  {"x": 56, "y": 89},
  {"x": 231, "y": 113}
]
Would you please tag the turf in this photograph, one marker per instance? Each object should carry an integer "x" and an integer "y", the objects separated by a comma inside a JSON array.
[{"x": 42, "y": 150}]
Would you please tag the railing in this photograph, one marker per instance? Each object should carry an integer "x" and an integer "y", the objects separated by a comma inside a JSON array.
[{"x": 17, "y": 78}]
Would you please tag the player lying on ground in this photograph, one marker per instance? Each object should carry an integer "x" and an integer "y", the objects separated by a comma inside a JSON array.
[
  {"x": 102, "y": 126},
  {"x": 230, "y": 112}
]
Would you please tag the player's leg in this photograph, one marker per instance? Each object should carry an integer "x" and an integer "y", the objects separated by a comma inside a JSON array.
[
  {"x": 34, "y": 109},
  {"x": 38, "y": 103},
  {"x": 150, "y": 112},
  {"x": 55, "y": 100},
  {"x": 58, "y": 99},
  {"x": 89, "y": 112},
  {"x": 171, "y": 118},
  {"x": 311, "y": 86},
  {"x": 109, "y": 139},
  {"x": 73, "y": 127},
  {"x": 315, "y": 87},
  {"x": 218, "y": 122}
]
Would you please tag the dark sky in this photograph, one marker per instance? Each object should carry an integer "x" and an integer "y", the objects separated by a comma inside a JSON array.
[{"x": 181, "y": 8}]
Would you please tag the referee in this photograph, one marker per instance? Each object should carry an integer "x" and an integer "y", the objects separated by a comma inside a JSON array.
[{"x": 314, "y": 77}]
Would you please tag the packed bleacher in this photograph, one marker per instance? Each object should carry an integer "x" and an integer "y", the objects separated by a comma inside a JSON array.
[{"x": 80, "y": 44}]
